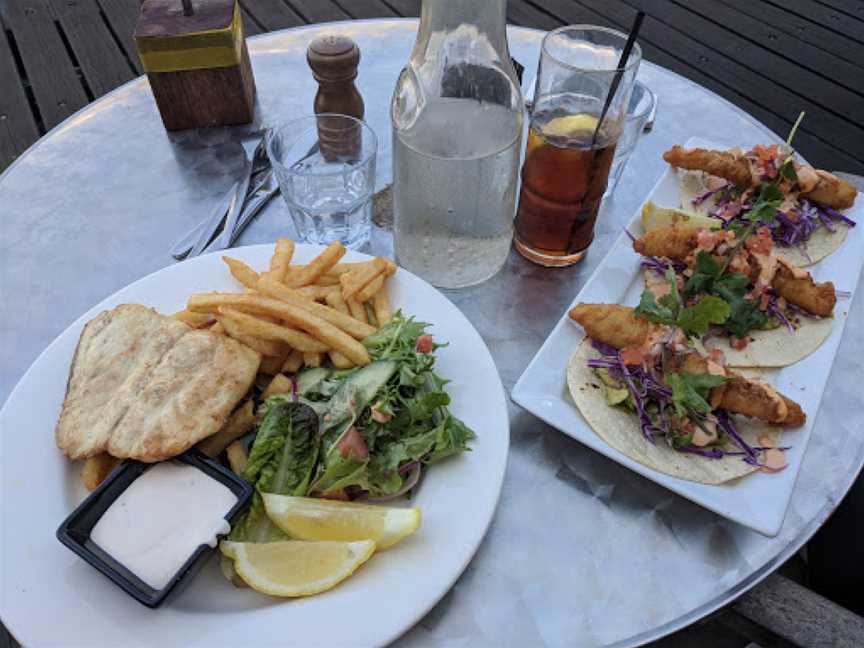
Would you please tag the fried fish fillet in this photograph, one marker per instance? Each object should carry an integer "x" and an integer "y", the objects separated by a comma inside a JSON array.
[
  {"x": 618, "y": 326},
  {"x": 672, "y": 242},
  {"x": 758, "y": 400},
  {"x": 188, "y": 397},
  {"x": 147, "y": 387},
  {"x": 116, "y": 354},
  {"x": 817, "y": 298},
  {"x": 612, "y": 324},
  {"x": 829, "y": 189},
  {"x": 717, "y": 163},
  {"x": 795, "y": 286}
]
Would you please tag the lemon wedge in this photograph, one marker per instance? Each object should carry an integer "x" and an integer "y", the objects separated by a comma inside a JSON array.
[
  {"x": 569, "y": 125},
  {"x": 296, "y": 568},
  {"x": 308, "y": 518}
]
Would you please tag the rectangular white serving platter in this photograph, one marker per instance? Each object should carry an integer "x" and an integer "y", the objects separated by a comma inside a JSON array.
[{"x": 759, "y": 500}]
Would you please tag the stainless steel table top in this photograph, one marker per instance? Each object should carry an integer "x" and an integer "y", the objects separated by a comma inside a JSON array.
[{"x": 582, "y": 551}]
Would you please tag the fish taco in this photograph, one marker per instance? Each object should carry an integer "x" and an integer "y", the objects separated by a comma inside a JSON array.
[
  {"x": 768, "y": 312},
  {"x": 807, "y": 222},
  {"x": 651, "y": 395}
]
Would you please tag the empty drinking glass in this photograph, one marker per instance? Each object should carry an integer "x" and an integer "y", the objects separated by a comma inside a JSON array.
[
  {"x": 325, "y": 165},
  {"x": 642, "y": 104}
]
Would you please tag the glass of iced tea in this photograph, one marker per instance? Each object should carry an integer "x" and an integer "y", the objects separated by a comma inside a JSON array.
[{"x": 569, "y": 152}]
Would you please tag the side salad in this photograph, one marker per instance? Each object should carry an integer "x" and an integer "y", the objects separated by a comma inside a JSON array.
[{"x": 359, "y": 434}]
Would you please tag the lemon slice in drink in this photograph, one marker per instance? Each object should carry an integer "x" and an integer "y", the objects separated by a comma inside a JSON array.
[
  {"x": 569, "y": 125},
  {"x": 296, "y": 568},
  {"x": 308, "y": 518}
]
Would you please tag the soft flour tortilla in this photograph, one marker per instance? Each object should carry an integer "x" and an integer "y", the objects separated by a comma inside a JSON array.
[
  {"x": 777, "y": 347},
  {"x": 620, "y": 429},
  {"x": 821, "y": 242}
]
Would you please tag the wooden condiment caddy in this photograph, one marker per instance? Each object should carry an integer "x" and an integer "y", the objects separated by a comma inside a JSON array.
[{"x": 195, "y": 55}]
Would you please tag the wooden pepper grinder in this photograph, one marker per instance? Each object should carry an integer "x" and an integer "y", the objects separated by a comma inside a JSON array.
[
  {"x": 195, "y": 56},
  {"x": 334, "y": 60}
]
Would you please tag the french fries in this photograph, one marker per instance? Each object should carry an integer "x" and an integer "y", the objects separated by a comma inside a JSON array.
[
  {"x": 239, "y": 423},
  {"x": 335, "y": 300},
  {"x": 357, "y": 311},
  {"x": 368, "y": 291},
  {"x": 237, "y": 457},
  {"x": 195, "y": 320},
  {"x": 381, "y": 306},
  {"x": 318, "y": 330},
  {"x": 238, "y": 307},
  {"x": 293, "y": 363},
  {"x": 354, "y": 280},
  {"x": 317, "y": 292},
  {"x": 351, "y": 326},
  {"x": 309, "y": 273},
  {"x": 97, "y": 468},
  {"x": 235, "y": 328},
  {"x": 280, "y": 384},
  {"x": 339, "y": 361},
  {"x": 242, "y": 272},
  {"x": 281, "y": 260},
  {"x": 271, "y": 365},
  {"x": 312, "y": 359}
]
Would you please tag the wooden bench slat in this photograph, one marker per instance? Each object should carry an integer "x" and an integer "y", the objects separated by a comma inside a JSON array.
[
  {"x": 250, "y": 25},
  {"x": 122, "y": 15},
  {"x": 273, "y": 14},
  {"x": 100, "y": 59},
  {"x": 835, "y": 103},
  {"x": 852, "y": 8},
  {"x": 56, "y": 87},
  {"x": 817, "y": 60},
  {"x": 800, "y": 28},
  {"x": 620, "y": 16},
  {"x": 827, "y": 17},
  {"x": 367, "y": 9},
  {"x": 315, "y": 11},
  {"x": 18, "y": 128},
  {"x": 521, "y": 13},
  {"x": 406, "y": 8},
  {"x": 746, "y": 89}
]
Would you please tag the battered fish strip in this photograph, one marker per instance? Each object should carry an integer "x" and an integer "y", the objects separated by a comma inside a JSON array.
[
  {"x": 757, "y": 400},
  {"x": 717, "y": 163},
  {"x": 829, "y": 189},
  {"x": 816, "y": 298},
  {"x": 615, "y": 325},
  {"x": 675, "y": 243},
  {"x": 745, "y": 396},
  {"x": 797, "y": 287},
  {"x": 619, "y": 326}
]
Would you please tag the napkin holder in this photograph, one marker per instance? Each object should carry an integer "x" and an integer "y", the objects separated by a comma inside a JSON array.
[{"x": 197, "y": 62}]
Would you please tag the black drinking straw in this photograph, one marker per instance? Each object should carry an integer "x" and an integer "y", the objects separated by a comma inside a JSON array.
[{"x": 622, "y": 63}]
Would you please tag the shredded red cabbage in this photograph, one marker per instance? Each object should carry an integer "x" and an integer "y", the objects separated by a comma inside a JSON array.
[
  {"x": 645, "y": 386},
  {"x": 660, "y": 265},
  {"x": 774, "y": 310}
]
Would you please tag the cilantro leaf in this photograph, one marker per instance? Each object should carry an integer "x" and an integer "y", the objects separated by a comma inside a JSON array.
[
  {"x": 695, "y": 319},
  {"x": 744, "y": 315},
  {"x": 649, "y": 309},
  {"x": 690, "y": 391},
  {"x": 765, "y": 208},
  {"x": 705, "y": 270},
  {"x": 787, "y": 171}
]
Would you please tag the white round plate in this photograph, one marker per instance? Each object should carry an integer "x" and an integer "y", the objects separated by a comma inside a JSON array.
[{"x": 48, "y": 596}]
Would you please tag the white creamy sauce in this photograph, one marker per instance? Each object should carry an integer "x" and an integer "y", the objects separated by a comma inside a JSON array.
[{"x": 162, "y": 518}]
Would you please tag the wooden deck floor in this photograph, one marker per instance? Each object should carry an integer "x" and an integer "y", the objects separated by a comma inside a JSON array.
[{"x": 773, "y": 58}]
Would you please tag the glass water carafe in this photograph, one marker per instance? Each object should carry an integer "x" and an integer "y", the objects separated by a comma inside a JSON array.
[{"x": 457, "y": 117}]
